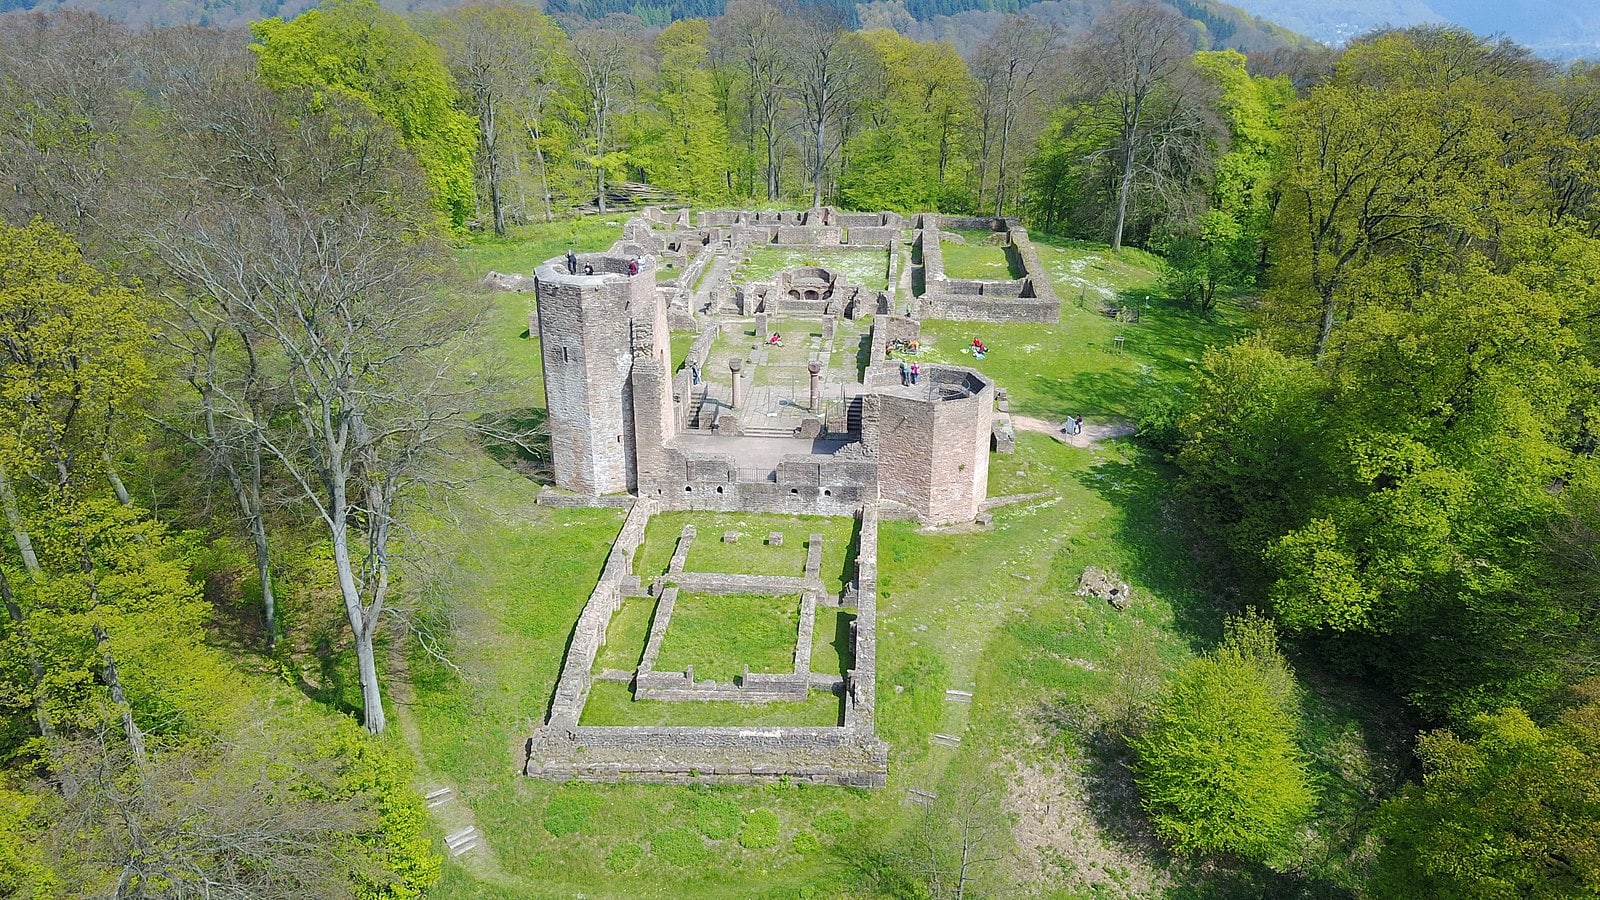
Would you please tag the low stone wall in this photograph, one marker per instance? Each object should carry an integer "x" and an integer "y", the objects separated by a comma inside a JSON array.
[
  {"x": 861, "y": 681},
  {"x": 617, "y": 581},
  {"x": 1030, "y": 298}
]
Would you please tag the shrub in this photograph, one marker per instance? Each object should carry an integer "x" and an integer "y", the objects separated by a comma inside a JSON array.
[
  {"x": 569, "y": 810},
  {"x": 680, "y": 847},
  {"x": 806, "y": 844},
  {"x": 834, "y": 823},
  {"x": 1218, "y": 765},
  {"x": 760, "y": 830}
]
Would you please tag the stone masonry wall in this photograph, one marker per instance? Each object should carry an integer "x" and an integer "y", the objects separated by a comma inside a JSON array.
[
  {"x": 801, "y": 485},
  {"x": 1030, "y": 298},
  {"x": 617, "y": 581},
  {"x": 931, "y": 442}
]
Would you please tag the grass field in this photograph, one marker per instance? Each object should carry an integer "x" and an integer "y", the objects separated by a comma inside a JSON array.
[
  {"x": 868, "y": 268},
  {"x": 720, "y": 634},
  {"x": 975, "y": 257},
  {"x": 988, "y": 611},
  {"x": 751, "y": 555}
]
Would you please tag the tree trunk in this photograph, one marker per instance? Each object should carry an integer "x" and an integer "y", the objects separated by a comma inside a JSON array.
[
  {"x": 371, "y": 698},
  {"x": 819, "y": 163},
  {"x": 258, "y": 532},
  {"x": 130, "y": 728},
  {"x": 117, "y": 486},
  {"x": 544, "y": 172},
  {"x": 19, "y": 532}
]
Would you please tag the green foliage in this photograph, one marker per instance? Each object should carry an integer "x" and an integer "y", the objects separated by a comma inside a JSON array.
[
  {"x": 569, "y": 811},
  {"x": 1218, "y": 765},
  {"x": 760, "y": 830},
  {"x": 680, "y": 140},
  {"x": 915, "y": 153},
  {"x": 358, "y": 49},
  {"x": 715, "y": 816},
  {"x": 680, "y": 847},
  {"x": 25, "y": 870},
  {"x": 806, "y": 844},
  {"x": 624, "y": 858},
  {"x": 1511, "y": 811}
]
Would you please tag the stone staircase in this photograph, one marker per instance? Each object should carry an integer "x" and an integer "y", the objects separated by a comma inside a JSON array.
[{"x": 767, "y": 430}]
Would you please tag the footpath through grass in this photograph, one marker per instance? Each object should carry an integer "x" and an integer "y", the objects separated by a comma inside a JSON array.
[{"x": 987, "y": 611}]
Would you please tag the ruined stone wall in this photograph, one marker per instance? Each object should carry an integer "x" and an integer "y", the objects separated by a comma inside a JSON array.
[
  {"x": 1030, "y": 298},
  {"x": 617, "y": 582},
  {"x": 801, "y": 485},
  {"x": 860, "y": 699}
]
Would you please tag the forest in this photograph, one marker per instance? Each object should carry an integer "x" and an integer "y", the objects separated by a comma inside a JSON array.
[{"x": 246, "y": 381}]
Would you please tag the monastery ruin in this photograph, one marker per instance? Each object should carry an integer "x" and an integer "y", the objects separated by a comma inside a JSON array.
[{"x": 793, "y": 398}]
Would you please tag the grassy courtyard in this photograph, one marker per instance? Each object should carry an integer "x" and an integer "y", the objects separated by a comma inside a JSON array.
[
  {"x": 987, "y": 611},
  {"x": 974, "y": 257},
  {"x": 751, "y": 555},
  {"x": 866, "y": 267},
  {"x": 720, "y": 634}
]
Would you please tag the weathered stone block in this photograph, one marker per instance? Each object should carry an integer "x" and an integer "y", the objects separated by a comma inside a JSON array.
[
  {"x": 775, "y": 539},
  {"x": 730, "y": 537}
]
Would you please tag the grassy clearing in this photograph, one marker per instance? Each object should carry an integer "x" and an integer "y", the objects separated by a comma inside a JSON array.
[
  {"x": 751, "y": 555},
  {"x": 975, "y": 257},
  {"x": 626, "y": 635},
  {"x": 868, "y": 268},
  {"x": 612, "y": 703},
  {"x": 991, "y": 611},
  {"x": 830, "y": 641},
  {"x": 721, "y": 634}
]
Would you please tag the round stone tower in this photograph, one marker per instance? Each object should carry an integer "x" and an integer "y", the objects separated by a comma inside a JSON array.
[{"x": 591, "y": 330}]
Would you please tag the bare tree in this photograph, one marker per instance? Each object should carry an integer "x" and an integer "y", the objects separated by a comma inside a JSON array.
[
  {"x": 606, "y": 56},
  {"x": 1012, "y": 68},
  {"x": 831, "y": 68},
  {"x": 955, "y": 844},
  {"x": 1133, "y": 52},
  {"x": 754, "y": 34}
]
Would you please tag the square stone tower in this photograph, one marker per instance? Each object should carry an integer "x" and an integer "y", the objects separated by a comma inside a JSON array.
[{"x": 600, "y": 334}]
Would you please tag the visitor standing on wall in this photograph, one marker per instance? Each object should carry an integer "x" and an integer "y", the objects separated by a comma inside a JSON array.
[
  {"x": 694, "y": 372},
  {"x": 633, "y": 266},
  {"x": 916, "y": 372},
  {"x": 905, "y": 374},
  {"x": 572, "y": 262}
]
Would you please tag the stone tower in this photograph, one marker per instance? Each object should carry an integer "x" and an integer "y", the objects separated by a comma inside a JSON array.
[
  {"x": 604, "y": 348},
  {"x": 931, "y": 441}
]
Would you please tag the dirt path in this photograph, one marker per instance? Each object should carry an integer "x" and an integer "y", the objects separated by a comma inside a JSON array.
[{"x": 1092, "y": 433}]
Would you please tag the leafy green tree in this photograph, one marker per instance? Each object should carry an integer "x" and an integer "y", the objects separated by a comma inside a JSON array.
[
  {"x": 360, "y": 50},
  {"x": 1217, "y": 764},
  {"x": 913, "y": 152},
  {"x": 1215, "y": 256},
  {"x": 681, "y": 140},
  {"x": 1511, "y": 810}
]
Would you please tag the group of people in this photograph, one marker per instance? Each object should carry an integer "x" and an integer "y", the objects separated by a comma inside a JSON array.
[
  {"x": 979, "y": 349},
  {"x": 572, "y": 264},
  {"x": 905, "y": 347},
  {"x": 909, "y": 375},
  {"x": 1073, "y": 426}
]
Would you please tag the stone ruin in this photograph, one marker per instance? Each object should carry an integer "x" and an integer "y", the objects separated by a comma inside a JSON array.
[
  {"x": 628, "y": 431},
  {"x": 1102, "y": 585}
]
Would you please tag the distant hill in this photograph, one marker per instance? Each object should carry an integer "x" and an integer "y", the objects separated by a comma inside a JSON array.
[
  {"x": 1562, "y": 29},
  {"x": 962, "y": 22}
]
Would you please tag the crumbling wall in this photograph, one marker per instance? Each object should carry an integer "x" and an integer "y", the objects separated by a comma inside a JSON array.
[
  {"x": 1030, "y": 298},
  {"x": 800, "y": 485},
  {"x": 617, "y": 582}
]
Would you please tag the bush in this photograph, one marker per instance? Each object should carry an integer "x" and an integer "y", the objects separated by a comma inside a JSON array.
[
  {"x": 716, "y": 817},
  {"x": 760, "y": 830},
  {"x": 806, "y": 844},
  {"x": 834, "y": 823},
  {"x": 1218, "y": 765},
  {"x": 569, "y": 810},
  {"x": 680, "y": 847}
]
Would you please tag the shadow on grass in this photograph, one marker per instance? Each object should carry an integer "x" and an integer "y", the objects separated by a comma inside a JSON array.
[{"x": 518, "y": 440}]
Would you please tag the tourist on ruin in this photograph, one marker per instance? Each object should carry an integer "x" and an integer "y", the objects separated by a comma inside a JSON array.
[
  {"x": 916, "y": 372},
  {"x": 633, "y": 266},
  {"x": 905, "y": 374},
  {"x": 572, "y": 263},
  {"x": 588, "y": 269},
  {"x": 694, "y": 373}
]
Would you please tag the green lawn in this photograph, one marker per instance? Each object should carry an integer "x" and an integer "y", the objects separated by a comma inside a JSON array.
[
  {"x": 626, "y": 635},
  {"x": 751, "y": 555},
  {"x": 720, "y": 634},
  {"x": 868, "y": 268},
  {"x": 990, "y": 611},
  {"x": 612, "y": 703},
  {"x": 830, "y": 641},
  {"x": 974, "y": 257}
]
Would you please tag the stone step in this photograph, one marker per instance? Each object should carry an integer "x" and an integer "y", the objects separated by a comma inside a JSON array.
[
  {"x": 920, "y": 796},
  {"x": 946, "y": 740},
  {"x": 463, "y": 840},
  {"x": 438, "y": 798},
  {"x": 955, "y": 696}
]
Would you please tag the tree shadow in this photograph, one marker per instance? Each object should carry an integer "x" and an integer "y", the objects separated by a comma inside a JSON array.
[{"x": 518, "y": 440}]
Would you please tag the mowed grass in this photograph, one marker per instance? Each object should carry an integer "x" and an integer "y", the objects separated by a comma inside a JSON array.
[
  {"x": 990, "y": 611},
  {"x": 626, "y": 635},
  {"x": 751, "y": 555},
  {"x": 868, "y": 268},
  {"x": 720, "y": 634},
  {"x": 974, "y": 257}
]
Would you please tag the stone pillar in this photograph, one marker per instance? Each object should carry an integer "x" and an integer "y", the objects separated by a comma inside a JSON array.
[
  {"x": 816, "y": 377},
  {"x": 735, "y": 365},
  {"x": 761, "y": 328},
  {"x": 828, "y": 326}
]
